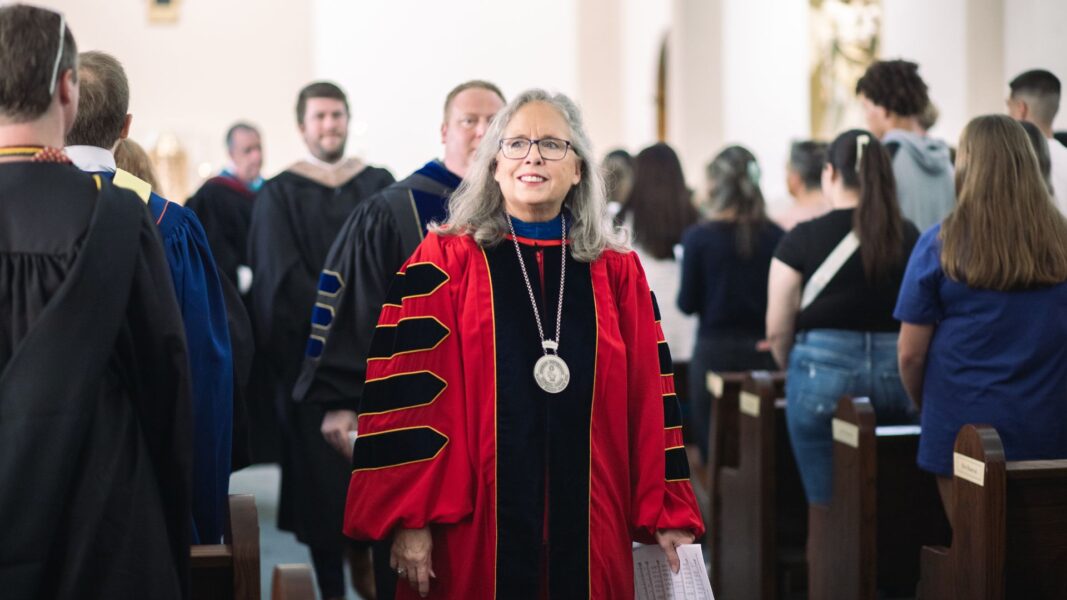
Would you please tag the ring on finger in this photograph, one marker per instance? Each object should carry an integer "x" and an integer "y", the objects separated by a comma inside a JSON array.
[{"x": 400, "y": 570}]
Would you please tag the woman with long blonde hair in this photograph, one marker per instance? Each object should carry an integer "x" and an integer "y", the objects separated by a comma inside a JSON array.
[{"x": 983, "y": 306}]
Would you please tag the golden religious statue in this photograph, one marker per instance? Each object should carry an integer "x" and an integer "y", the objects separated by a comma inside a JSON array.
[
  {"x": 172, "y": 168},
  {"x": 845, "y": 38}
]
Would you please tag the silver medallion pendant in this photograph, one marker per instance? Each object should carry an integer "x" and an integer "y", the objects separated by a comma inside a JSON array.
[{"x": 552, "y": 374}]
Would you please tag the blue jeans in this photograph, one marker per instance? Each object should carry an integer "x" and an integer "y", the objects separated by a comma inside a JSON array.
[{"x": 825, "y": 365}]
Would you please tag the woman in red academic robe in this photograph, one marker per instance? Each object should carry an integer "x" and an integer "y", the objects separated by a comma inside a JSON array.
[{"x": 519, "y": 427}]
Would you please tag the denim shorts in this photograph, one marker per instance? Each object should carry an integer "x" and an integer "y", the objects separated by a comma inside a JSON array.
[{"x": 824, "y": 365}]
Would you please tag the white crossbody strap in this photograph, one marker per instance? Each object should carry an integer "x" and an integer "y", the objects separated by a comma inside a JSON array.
[{"x": 829, "y": 267}]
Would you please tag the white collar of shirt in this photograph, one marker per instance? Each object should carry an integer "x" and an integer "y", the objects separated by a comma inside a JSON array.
[
  {"x": 91, "y": 158},
  {"x": 323, "y": 164}
]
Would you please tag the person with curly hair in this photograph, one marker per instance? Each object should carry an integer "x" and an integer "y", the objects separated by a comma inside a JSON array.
[{"x": 894, "y": 98}]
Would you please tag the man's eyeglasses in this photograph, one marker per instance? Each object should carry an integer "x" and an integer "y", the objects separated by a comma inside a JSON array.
[
  {"x": 519, "y": 148},
  {"x": 59, "y": 54}
]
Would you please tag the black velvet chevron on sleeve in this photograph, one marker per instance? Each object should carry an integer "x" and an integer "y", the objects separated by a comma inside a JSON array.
[
  {"x": 401, "y": 391},
  {"x": 677, "y": 465},
  {"x": 413, "y": 334},
  {"x": 423, "y": 279},
  {"x": 672, "y": 412},
  {"x": 397, "y": 447},
  {"x": 666, "y": 365}
]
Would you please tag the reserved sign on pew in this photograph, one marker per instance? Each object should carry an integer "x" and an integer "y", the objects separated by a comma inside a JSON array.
[
  {"x": 846, "y": 433},
  {"x": 968, "y": 469},
  {"x": 749, "y": 404},
  {"x": 715, "y": 384}
]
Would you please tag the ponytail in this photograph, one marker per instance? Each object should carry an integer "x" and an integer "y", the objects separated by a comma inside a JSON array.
[{"x": 863, "y": 163}]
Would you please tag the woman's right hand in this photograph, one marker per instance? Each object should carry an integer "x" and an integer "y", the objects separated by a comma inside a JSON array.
[{"x": 410, "y": 557}]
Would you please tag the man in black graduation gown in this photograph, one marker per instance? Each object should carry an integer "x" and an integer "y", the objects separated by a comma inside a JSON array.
[
  {"x": 95, "y": 424},
  {"x": 295, "y": 218},
  {"x": 373, "y": 244},
  {"x": 224, "y": 203}
]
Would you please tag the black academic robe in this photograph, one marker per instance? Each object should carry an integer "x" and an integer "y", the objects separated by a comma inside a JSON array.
[
  {"x": 224, "y": 207},
  {"x": 95, "y": 417},
  {"x": 243, "y": 347},
  {"x": 296, "y": 217},
  {"x": 373, "y": 244}
]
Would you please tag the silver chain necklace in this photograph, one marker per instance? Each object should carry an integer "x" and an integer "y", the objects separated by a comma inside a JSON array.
[{"x": 550, "y": 371}]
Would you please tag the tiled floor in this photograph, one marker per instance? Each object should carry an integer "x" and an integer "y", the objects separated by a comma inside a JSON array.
[{"x": 275, "y": 547}]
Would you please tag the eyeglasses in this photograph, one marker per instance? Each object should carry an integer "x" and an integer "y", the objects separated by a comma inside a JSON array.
[
  {"x": 518, "y": 148},
  {"x": 59, "y": 54}
]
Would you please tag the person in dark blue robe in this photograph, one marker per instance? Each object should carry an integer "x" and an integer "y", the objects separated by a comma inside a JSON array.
[{"x": 102, "y": 120}]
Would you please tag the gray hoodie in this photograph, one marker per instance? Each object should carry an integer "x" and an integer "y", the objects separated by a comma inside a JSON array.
[{"x": 926, "y": 186}]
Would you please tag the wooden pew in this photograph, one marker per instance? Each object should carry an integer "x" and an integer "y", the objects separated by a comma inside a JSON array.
[
  {"x": 882, "y": 510},
  {"x": 292, "y": 582},
  {"x": 722, "y": 451},
  {"x": 229, "y": 571},
  {"x": 763, "y": 514},
  {"x": 1009, "y": 538}
]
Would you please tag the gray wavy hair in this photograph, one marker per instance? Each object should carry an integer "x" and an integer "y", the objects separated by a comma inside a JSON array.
[{"x": 477, "y": 206}]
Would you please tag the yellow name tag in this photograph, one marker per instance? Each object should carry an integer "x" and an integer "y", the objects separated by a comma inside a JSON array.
[
  {"x": 750, "y": 404},
  {"x": 715, "y": 384},
  {"x": 846, "y": 433},
  {"x": 968, "y": 469}
]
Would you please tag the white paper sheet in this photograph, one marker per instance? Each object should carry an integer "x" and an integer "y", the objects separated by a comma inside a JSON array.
[{"x": 653, "y": 579}]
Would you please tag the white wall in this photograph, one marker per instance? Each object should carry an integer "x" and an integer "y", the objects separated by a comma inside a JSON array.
[
  {"x": 934, "y": 35},
  {"x": 765, "y": 83},
  {"x": 600, "y": 71},
  {"x": 222, "y": 61},
  {"x": 644, "y": 25},
  {"x": 695, "y": 91},
  {"x": 397, "y": 60}
]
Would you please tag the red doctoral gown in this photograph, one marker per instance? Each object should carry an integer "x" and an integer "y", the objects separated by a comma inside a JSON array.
[{"x": 527, "y": 493}]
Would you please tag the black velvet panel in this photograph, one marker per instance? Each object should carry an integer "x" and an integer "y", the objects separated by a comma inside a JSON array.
[
  {"x": 405, "y": 390},
  {"x": 542, "y": 438},
  {"x": 423, "y": 279},
  {"x": 672, "y": 413},
  {"x": 382, "y": 342},
  {"x": 395, "y": 448},
  {"x": 655, "y": 307},
  {"x": 409, "y": 335},
  {"x": 395, "y": 295},
  {"x": 666, "y": 365},
  {"x": 677, "y": 468}
]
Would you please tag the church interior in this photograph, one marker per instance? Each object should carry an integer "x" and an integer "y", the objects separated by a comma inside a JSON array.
[{"x": 699, "y": 76}]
